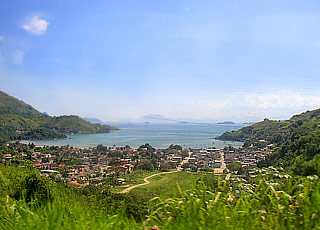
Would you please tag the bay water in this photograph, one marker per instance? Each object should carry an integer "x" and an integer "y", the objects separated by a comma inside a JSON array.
[{"x": 157, "y": 135}]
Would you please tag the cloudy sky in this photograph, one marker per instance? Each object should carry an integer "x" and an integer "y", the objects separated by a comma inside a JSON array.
[{"x": 119, "y": 60}]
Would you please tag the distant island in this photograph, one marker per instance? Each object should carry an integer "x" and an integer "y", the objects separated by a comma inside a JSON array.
[
  {"x": 226, "y": 123},
  {"x": 156, "y": 118}
]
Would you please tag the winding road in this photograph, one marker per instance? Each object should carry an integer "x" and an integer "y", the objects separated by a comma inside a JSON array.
[{"x": 145, "y": 182}]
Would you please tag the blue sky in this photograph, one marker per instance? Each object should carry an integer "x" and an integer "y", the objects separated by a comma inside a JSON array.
[{"x": 203, "y": 60}]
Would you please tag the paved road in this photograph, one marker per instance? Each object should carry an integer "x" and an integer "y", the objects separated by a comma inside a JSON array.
[{"x": 145, "y": 182}]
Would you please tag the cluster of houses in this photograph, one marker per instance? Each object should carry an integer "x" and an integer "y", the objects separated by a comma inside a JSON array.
[
  {"x": 205, "y": 158},
  {"x": 81, "y": 166},
  {"x": 248, "y": 157}
]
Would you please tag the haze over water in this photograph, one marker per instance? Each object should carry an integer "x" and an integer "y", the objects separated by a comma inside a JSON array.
[{"x": 157, "y": 135}]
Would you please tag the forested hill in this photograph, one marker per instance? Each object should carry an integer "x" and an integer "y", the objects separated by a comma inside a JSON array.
[
  {"x": 20, "y": 121},
  {"x": 297, "y": 141},
  {"x": 11, "y": 105},
  {"x": 274, "y": 131}
]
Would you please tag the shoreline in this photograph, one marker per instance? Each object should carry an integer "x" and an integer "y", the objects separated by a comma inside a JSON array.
[{"x": 40, "y": 143}]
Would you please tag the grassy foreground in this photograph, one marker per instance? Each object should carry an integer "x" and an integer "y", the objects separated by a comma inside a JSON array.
[
  {"x": 168, "y": 185},
  {"x": 272, "y": 200}
]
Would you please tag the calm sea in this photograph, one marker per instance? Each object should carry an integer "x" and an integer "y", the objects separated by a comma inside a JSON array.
[{"x": 157, "y": 135}]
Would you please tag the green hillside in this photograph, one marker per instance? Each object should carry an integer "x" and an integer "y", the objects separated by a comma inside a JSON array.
[
  {"x": 275, "y": 131},
  {"x": 19, "y": 121},
  {"x": 11, "y": 105},
  {"x": 262, "y": 130},
  {"x": 73, "y": 124},
  {"x": 297, "y": 141}
]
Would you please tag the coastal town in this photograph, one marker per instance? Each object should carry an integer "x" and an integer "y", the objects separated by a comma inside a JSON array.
[{"x": 107, "y": 165}]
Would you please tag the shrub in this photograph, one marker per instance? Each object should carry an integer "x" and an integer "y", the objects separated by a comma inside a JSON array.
[{"x": 34, "y": 189}]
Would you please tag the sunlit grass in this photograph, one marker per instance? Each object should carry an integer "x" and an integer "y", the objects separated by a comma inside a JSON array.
[
  {"x": 167, "y": 185},
  {"x": 272, "y": 200}
]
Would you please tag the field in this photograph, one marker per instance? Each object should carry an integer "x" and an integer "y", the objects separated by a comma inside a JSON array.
[
  {"x": 134, "y": 178},
  {"x": 168, "y": 185},
  {"x": 163, "y": 185}
]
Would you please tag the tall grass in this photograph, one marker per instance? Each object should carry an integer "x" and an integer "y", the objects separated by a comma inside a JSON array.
[
  {"x": 271, "y": 200},
  {"x": 234, "y": 204},
  {"x": 67, "y": 210}
]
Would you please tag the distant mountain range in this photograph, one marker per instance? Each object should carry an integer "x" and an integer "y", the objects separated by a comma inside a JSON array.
[
  {"x": 158, "y": 118},
  {"x": 226, "y": 123},
  {"x": 19, "y": 121}
]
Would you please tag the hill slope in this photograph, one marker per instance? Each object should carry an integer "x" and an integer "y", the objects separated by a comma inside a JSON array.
[
  {"x": 269, "y": 130},
  {"x": 20, "y": 121},
  {"x": 297, "y": 141},
  {"x": 275, "y": 131},
  {"x": 11, "y": 105}
]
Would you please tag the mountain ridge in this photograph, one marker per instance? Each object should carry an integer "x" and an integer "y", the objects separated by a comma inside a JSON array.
[{"x": 11, "y": 105}]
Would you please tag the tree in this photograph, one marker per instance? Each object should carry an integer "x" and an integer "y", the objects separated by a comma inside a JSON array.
[
  {"x": 146, "y": 165},
  {"x": 165, "y": 166},
  {"x": 101, "y": 148},
  {"x": 235, "y": 167},
  {"x": 175, "y": 147},
  {"x": 148, "y": 147}
]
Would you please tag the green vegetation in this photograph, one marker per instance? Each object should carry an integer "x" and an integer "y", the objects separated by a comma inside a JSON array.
[
  {"x": 269, "y": 130},
  {"x": 134, "y": 178},
  {"x": 30, "y": 201},
  {"x": 73, "y": 124},
  {"x": 297, "y": 142},
  {"x": 19, "y": 121},
  {"x": 11, "y": 105},
  {"x": 272, "y": 199},
  {"x": 168, "y": 185},
  {"x": 236, "y": 167}
]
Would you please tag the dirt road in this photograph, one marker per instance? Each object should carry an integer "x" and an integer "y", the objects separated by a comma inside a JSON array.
[{"x": 145, "y": 182}]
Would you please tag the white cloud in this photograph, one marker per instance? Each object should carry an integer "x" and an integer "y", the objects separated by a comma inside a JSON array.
[
  {"x": 242, "y": 107},
  {"x": 282, "y": 100},
  {"x": 18, "y": 57},
  {"x": 36, "y": 25}
]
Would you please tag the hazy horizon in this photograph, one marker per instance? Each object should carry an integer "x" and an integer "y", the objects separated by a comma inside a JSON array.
[{"x": 208, "y": 61}]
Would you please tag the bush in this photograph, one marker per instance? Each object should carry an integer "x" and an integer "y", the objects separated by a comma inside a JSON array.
[{"x": 34, "y": 190}]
